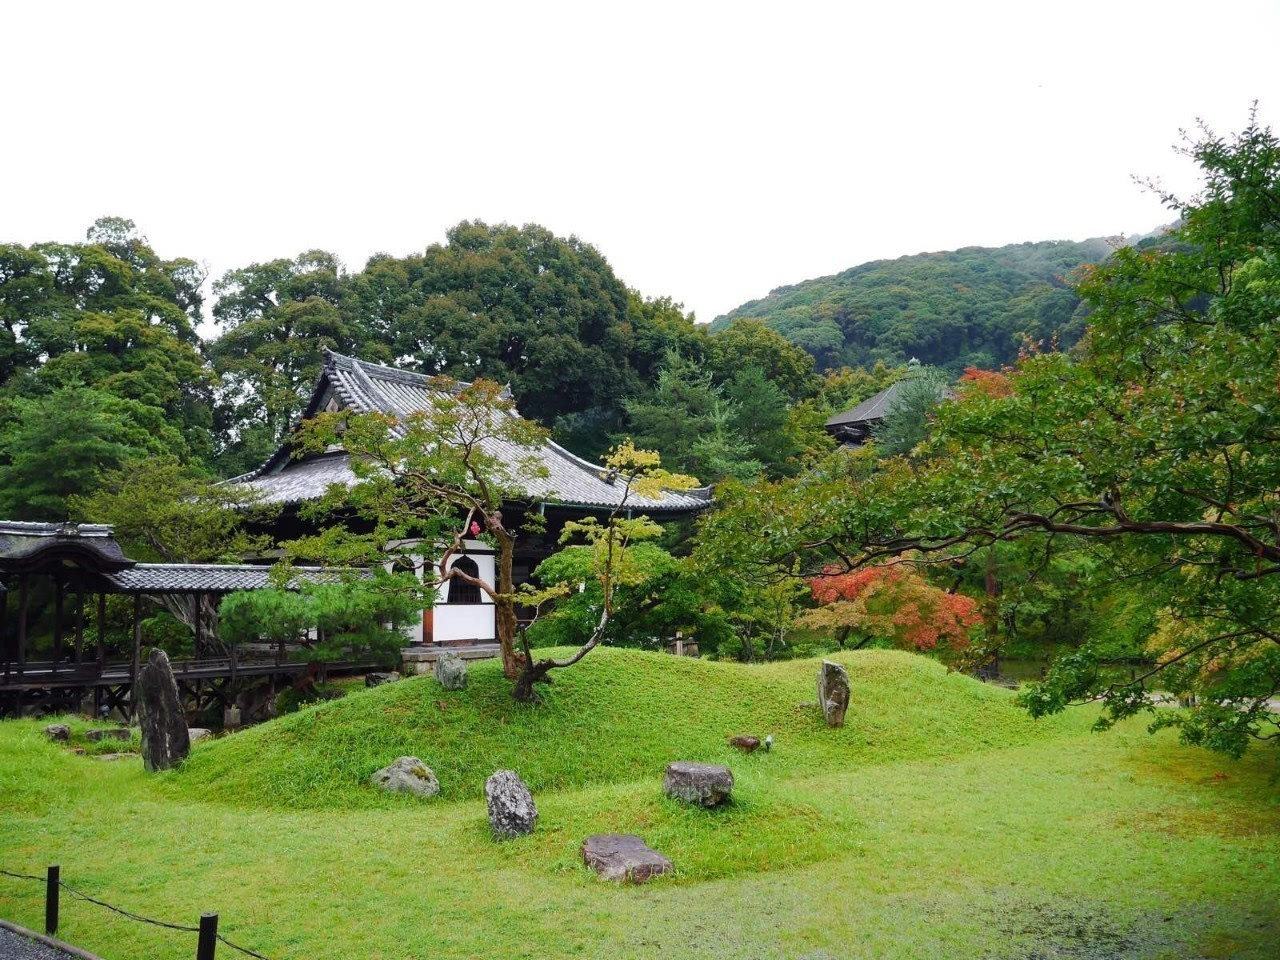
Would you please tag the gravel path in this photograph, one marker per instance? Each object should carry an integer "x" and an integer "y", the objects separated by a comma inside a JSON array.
[{"x": 14, "y": 947}]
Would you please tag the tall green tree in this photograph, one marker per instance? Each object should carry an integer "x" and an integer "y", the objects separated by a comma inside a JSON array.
[
  {"x": 678, "y": 413},
  {"x": 276, "y": 319},
  {"x": 109, "y": 314},
  {"x": 749, "y": 342},
  {"x": 58, "y": 446}
]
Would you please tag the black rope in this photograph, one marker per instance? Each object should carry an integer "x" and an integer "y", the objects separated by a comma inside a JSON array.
[
  {"x": 20, "y": 876},
  {"x": 126, "y": 913},
  {"x": 132, "y": 916},
  {"x": 245, "y": 950}
]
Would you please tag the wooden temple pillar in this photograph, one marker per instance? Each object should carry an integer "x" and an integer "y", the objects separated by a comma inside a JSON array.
[
  {"x": 23, "y": 603},
  {"x": 136, "y": 662},
  {"x": 57, "y": 623},
  {"x": 102, "y": 631},
  {"x": 197, "y": 623},
  {"x": 79, "y": 625},
  {"x": 6, "y": 652}
]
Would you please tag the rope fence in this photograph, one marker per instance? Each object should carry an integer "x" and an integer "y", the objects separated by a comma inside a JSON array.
[{"x": 207, "y": 931}]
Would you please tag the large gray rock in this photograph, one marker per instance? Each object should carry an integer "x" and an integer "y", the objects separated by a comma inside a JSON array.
[
  {"x": 833, "y": 692},
  {"x": 512, "y": 812},
  {"x": 165, "y": 741},
  {"x": 378, "y": 679},
  {"x": 58, "y": 732},
  {"x": 704, "y": 784},
  {"x": 623, "y": 856},
  {"x": 109, "y": 733},
  {"x": 407, "y": 775},
  {"x": 451, "y": 671},
  {"x": 198, "y": 733}
]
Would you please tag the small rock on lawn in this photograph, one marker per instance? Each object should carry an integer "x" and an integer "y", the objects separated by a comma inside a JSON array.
[
  {"x": 58, "y": 732},
  {"x": 704, "y": 784},
  {"x": 110, "y": 733},
  {"x": 407, "y": 775},
  {"x": 451, "y": 671}
]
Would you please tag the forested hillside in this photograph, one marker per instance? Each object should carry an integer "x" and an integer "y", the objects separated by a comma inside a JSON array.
[{"x": 967, "y": 307}]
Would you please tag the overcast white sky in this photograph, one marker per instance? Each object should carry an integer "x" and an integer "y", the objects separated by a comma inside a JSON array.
[{"x": 710, "y": 151}]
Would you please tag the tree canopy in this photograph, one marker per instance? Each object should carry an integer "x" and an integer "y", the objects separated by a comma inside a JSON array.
[{"x": 1154, "y": 444}]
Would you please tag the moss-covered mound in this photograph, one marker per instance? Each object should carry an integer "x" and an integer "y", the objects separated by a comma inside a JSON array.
[{"x": 619, "y": 716}]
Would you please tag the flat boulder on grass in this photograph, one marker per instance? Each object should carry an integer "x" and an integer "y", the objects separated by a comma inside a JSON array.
[
  {"x": 451, "y": 671},
  {"x": 703, "y": 784},
  {"x": 58, "y": 732},
  {"x": 512, "y": 812},
  {"x": 198, "y": 733},
  {"x": 109, "y": 733},
  {"x": 623, "y": 856},
  {"x": 407, "y": 775}
]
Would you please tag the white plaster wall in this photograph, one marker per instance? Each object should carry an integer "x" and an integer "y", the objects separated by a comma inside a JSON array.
[
  {"x": 466, "y": 621},
  {"x": 470, "y": 621}
]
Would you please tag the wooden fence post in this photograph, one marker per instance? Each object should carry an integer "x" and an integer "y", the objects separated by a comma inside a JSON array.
[
  {"x": 51, "y": 888},
  {"x": 208, "y": 936}
]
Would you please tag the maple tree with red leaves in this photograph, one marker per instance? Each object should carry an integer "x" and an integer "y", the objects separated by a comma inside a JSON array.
[
  {"x": 893, "y": 602},
  {"x": 989, "y": 383}
]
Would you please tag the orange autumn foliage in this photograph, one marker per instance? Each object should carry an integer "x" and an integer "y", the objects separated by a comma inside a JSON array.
[
  {"x": 989, "y": 383},
  {"x": 893, "y": 602}
]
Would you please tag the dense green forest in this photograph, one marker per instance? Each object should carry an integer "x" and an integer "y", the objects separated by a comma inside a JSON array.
[
  {"x": 104, "y": 361},
  {"x": 969, "y": 307}
]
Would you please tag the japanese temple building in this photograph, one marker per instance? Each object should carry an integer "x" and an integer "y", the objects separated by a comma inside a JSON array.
[
  {"x": 462, "y": 617},
  {"x": 857, "y": 425}
]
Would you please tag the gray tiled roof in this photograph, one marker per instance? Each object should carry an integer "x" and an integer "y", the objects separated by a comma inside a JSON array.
[
  {"x": 26, "y": 545},
  {"x": 216, "y": 578},
  {"x": 367, "y": 387},
  {"x": 879, "y": 406}
]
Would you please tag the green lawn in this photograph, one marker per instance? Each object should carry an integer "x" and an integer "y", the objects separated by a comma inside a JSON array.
[{"x": 941, "y": 822}]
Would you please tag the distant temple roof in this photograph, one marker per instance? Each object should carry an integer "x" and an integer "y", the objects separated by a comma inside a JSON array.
[
  {"x": 856, "y": 424},
  {"x": 369, "y": 387}
]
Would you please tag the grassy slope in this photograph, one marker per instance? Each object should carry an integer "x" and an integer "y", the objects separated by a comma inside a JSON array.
[
  {"x": 619, "y": 716},
  {"x": 920, "y": 843}
]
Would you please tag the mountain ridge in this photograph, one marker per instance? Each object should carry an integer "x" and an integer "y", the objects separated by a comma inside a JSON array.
[{"x": 974, "y": 305}]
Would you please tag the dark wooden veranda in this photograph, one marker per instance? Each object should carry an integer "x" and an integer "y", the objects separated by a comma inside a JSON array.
[{"x": 74, "y": 568}]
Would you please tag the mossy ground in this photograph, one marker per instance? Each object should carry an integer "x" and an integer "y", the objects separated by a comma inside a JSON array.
[{"x": 940, "y": 822}]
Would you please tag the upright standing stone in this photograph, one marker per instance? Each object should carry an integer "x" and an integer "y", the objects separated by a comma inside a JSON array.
[
  {"x": 512, "y": 812},
  {"x": 833, "y": 692},
  {"x": 451, "y": 671},
  {"x": 165, "y": 741}
]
